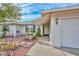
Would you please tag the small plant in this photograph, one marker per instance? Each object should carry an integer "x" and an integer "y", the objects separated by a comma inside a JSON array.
[
  {"x": 34, "y": 37},
  {"x": 1, "y": 37},
  {"x": 38, "y": 34},
  {"x": 7, "y": 47}
]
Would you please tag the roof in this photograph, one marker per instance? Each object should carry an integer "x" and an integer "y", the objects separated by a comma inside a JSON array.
[
  {"x": 62, "y": 9},
  {"x": 40, "y": 20},
  {"x": 16, "y": 23}
]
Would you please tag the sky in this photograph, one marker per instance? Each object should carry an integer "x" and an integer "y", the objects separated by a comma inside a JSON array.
[{"x": 31, "y": 11}]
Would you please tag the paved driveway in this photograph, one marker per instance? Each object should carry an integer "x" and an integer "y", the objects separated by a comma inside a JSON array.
[{"x": 43, "y": 48}]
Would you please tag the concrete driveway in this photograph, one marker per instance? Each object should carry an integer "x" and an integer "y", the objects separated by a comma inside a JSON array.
[{"x": 43, "y": 48}]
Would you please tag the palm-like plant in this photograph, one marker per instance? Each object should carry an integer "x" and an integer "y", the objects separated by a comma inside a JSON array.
[{"x": 9, "y": 12}]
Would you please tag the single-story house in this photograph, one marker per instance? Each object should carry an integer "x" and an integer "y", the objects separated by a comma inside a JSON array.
[
  {"x": 62, "y": 26},
  {"x": 15, "y": 28}
]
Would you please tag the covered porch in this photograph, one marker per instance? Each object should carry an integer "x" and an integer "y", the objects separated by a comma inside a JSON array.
[{"x": 44, "y": 24}]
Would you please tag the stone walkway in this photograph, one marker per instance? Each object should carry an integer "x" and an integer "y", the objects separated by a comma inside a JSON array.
[{"x": 43, "y": 48}]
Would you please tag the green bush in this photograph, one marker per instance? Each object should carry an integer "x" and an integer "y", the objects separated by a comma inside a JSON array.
[
  {"x": 28, "y": 30},
  {"x": 34, "y": 37},
  {"x": 38, "y": 34},
  {"x": 1, "y": 37}
]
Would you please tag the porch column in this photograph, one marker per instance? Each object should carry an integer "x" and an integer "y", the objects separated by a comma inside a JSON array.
[
  {"x": 41, "y": 28},
  {"x": 36, "y": 30},
  {"x": 52, "y": 30}
]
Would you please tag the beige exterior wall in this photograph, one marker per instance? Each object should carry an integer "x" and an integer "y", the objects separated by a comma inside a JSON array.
[{"x": 65, "y": 13}]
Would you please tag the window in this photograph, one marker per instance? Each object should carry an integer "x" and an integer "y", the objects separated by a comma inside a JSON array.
[{"x": 5, "y": 28}]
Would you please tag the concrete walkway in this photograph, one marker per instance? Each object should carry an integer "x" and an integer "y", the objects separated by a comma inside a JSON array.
[{"x": 43, "y": 48}]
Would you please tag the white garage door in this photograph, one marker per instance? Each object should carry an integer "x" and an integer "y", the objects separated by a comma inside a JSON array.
[{"x": 70, "y": 32}]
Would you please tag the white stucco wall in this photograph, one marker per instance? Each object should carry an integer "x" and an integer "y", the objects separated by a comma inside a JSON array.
[
  {"x": 55, "y": 32},
  {"x": 12, "y": 29},
  {"x": 18, "y": 28},
  {"x": 23, "y": 30},
  {"x": 1, "y": 27}
]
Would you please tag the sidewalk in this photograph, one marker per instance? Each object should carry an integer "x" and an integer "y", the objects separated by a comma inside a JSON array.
[{"x": 42, "y": 48}]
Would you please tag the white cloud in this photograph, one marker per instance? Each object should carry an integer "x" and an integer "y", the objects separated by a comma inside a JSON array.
[
  {"x": 68, "y": 4},
  {"x": 26, "y": 10},
  {"x": 29, "y": 17},
  {"x": 64, "y": 5},
  {"x": 25, "y": 4}
]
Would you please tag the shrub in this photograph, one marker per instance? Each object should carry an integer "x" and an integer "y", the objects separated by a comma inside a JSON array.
[
  {"x": 38, "y": 34},
  {"x": 34, "y": 37}
]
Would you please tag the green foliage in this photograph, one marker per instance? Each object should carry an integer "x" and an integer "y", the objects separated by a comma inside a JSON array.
[
  {"x": 3, "y": 32},
  {"x": 2, "y": 36},
  {"x": 5, "y": 28},
  {"x": 34, "y": 37},
  {"x": 9, "y": 12},
  {"x": 28, "y": 30},
  {"x": 38, "y": 34}
]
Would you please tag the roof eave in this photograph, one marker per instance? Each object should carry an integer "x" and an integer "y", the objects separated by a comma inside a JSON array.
[{"x": 61, "y": 9}]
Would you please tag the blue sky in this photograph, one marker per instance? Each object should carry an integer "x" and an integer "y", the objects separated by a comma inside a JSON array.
[{"x": 31, "y": 11}]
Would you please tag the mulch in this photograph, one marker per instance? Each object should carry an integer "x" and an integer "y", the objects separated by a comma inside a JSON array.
[{"x": 23, "y": 49}]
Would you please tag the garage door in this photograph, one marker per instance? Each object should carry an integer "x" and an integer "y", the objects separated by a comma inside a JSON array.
[{"x": 70, "y": 32}]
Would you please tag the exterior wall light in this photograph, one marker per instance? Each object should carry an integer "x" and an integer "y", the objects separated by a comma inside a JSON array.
[{"x": 57, "y": 20}]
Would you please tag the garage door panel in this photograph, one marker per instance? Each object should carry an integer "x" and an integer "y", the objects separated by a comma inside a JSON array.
[{"x": 70, "y": 32}]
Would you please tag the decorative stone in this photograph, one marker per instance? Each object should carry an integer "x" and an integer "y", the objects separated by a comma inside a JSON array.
[{"x": 3, "y": 54}]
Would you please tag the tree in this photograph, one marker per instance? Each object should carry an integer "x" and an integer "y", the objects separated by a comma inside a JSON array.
[{"x": 9, "y": 12}]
